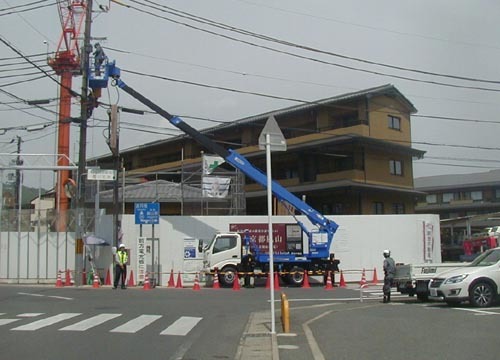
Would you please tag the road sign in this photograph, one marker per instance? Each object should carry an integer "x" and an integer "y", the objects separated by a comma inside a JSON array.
[
  {"x": 147, "y": 213},
  {"x": 276, "y": 139},
  {"x": 101, "y": 174}
]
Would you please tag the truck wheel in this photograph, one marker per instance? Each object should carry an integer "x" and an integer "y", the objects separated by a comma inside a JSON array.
[
  {"x": 296, "y": 276},
  {"x": 481, "y": 294},
  {"x": 227, "y": 276}
]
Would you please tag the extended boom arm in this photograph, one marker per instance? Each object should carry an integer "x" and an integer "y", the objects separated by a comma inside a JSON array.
[{"x": 325, "y": 226}]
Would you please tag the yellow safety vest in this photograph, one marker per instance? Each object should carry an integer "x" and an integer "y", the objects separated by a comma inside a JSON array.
[{"x": 122, "y": 257}]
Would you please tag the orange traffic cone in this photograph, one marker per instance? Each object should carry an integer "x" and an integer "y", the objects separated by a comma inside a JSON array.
[
  {"x": 268, "y": 281},
  {"x": 67, "y": 281},
  {"x": 71, "y": 280},
  {"x": 375, "y": 279},
  {"x": 363, "y": 278},
  {"x": 342, "y": 280},
  {"x": 216, "y": 280},
  {"x": 179, "y": 281},
  {"x": 95, "y": 284},
  {"x": 131, "y": 281},
  {"x": 196, "y": 285},
  {"x": 236, "y": 282},
  {"x": 108, "y": 279},
  {"x": 328, "y": 285},
  {"x": 171, "y": 281},
  {"x": 306, "y": 284},
  {"x": 59, "y": 280},
  {"x": 146, "y": 286},
  {"x": 276, "y": 281}
]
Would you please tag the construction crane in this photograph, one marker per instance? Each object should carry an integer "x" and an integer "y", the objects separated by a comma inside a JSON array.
[{"x": 66, "y": 64}]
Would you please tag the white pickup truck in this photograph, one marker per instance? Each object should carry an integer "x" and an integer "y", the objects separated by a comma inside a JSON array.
[{"x": 413, "y": 279}]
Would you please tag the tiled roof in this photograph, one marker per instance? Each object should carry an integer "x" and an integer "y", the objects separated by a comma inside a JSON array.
[
  {"x": 427, "y": 183},
  {"x": 154, "y": 191}
]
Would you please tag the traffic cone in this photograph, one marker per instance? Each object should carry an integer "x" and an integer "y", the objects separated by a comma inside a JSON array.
[
  {"x": 171, "y": 281},
  {"x": 95, "y": 284},
  {"x": 329, "y": 285},
  {"x": 67, "y": 281},
  {"x": 84, "y": 277},
  {"x": 71, "y": 280},
  {"x": 276, "y": 281},
  {"x": 236, "y": 282},
  {"x": 342, "y": 281},
  {"x": 131, "y": 281},
  {"x": 108, "y": 279},
  {"x": 146, "y": 283},
  {"x": 59, "y": 280},
  {"x": 306, "y": 284},
  {"x": 196, "y": 285},
  {"x": 375, "y": 279},
  {"x": 179, "y": 281},
  {"x": 268, "y": 281},
  {"x": 363, "y": 278},
  {"x": 216, "y": 280}
]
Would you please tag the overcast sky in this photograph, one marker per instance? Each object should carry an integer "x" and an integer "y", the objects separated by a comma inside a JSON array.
[{"x": 197, "y": 70}]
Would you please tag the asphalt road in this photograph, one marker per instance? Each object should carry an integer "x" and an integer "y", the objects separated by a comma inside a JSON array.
[{"x": 84, "y": 323}]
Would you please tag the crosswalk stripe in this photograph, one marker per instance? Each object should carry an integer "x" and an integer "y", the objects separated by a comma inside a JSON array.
[
  {"x": 90, "y": 322},
  {"x": 29, "y": 315},
  {"x": 181, "y": 326},
  {"x": 7, "y": 321},
  {"x": 46, "y": 322},
  {"x": 136, "y": 324}
]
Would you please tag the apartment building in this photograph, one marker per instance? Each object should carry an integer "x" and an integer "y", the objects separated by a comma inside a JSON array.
[
  {"x": 348, "y": 154},
  {"x": 466, "y": 204}
]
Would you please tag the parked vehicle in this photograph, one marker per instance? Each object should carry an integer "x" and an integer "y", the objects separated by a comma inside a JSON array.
[
  {"x": 477, "y": 283},
  {"x": 413, "y": 279},
  {"x": 479, "y": 243}
]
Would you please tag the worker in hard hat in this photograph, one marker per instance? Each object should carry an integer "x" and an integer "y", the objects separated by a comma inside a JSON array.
[
  {"x": 121, "y": 259},
  {"x": 389, "y": 272}
]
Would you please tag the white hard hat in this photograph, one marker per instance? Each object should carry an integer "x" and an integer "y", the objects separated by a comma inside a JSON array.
[
  {"x": 388, "y": 252},
  {"x": 121, "y": 246}
]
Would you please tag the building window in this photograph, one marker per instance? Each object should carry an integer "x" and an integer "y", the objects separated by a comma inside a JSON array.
[
  {"x": 398, "y": 208},
  {"x": 378, "y": 208},
  {"x": 476, "y": 195},
  {"x": 394, "y": 122},
  {"x": 447, "y": 197},
  {"x": 431, "y": 199},
  {"x": 497, "y": 193},
  {"x": 396, "y": 167}
]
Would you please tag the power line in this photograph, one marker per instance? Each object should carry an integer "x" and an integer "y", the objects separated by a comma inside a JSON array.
[{"x": 209, "y": 22}]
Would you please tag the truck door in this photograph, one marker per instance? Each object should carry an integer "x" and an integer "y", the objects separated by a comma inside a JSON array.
[{"x": 226, "y": 250}]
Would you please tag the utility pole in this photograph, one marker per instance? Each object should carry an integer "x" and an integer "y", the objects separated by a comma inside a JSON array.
[
  {"x": 86, "y": 110},
  {"x": 18, "y": 172}
]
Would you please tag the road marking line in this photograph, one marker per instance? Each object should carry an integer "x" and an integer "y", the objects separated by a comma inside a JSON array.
[
  {"x": 29, "y": 315},
  {"x": 30, "y": 294},
  {"x": 46, "y": 322},
  {"x": 90, "y": 322},
  {"x": 136, "y": 324},
  {"x": 181, "y": 326},
  {"x": 479, "y": 312},
  {"x": 7, "y": 321},
  {"x": 60, "y": 297}
]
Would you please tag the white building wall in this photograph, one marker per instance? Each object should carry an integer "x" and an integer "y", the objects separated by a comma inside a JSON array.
[{"x": 358, "y": 243}]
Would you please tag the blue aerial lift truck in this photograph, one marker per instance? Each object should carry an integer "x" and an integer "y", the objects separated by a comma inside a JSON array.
[{"x": 316, "y": 250}]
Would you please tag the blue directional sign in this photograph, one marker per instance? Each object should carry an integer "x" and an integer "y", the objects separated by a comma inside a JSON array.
[{"x": 147, "y": 213}]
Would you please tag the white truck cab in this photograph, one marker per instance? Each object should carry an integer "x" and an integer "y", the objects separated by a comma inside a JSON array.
[
  {"x": 224, "y": 254},
  {"x": 478, "y": 282}
]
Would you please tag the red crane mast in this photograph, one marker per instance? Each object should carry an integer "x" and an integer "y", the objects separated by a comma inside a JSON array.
[{"x": 66, "y": 64}]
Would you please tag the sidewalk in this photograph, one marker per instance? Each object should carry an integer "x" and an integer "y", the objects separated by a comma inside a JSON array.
[{"x": 257, "y": 342}]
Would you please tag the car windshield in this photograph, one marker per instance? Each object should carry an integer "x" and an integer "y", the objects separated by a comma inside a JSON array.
[{"x": 487, "y": 258}]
